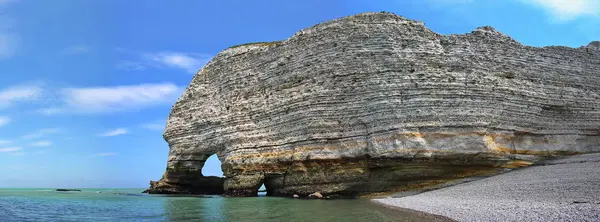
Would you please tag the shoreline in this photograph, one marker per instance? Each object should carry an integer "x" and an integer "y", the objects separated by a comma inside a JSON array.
[
  {"x": 562, "y": 189},
  {"x": 424, "y": 215}
]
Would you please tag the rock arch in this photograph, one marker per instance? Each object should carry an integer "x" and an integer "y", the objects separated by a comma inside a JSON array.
[
  {"x": 397, "y": 104},
  {"x": 183, "y": 175}
]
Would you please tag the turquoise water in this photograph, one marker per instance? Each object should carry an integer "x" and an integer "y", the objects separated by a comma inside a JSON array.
[{"x": 130, "y": 205}]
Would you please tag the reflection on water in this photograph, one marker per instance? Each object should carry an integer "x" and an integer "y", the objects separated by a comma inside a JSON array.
[
  {"x": 279, "y": 209},
  {"x": 194, "y": 209}
]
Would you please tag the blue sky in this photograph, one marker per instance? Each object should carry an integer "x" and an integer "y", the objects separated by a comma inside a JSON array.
[{"x": 86, "y": 86}]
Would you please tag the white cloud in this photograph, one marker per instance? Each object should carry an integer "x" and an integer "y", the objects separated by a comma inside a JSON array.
[
  {"x": 115, "y": 132},
  {"x": 190, "y": 62},
  {"x": 77, "y": 49},
  {"x": 105, "y": 154},
  {"x": 96, "y": 100},
  {"x": 19, "y": 93},
  {"x": 40, "y": 133},
  {"x": 4, "y": 120},
  {"x": 4, "y": 142},
  {"x": 42, "y": 143},
  {"x": 568, "y": 9},
  {"x": 10, "y": 149}
]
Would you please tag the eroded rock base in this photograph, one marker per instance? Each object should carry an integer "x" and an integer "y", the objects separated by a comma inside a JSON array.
[
  {"x": 356, "y": 177},
  {"x": 417, "y": 160},
  {"x": 200, "y": 186}
]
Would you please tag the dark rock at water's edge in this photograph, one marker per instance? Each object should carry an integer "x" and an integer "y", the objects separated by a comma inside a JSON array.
[
  {"x": 129, "y": 194},
  {"x": 66, "y": 190},
  {"x": 183, "y": 195},
  {"x": 210, "y": 185},
  {"x": 376, "y": 103}
]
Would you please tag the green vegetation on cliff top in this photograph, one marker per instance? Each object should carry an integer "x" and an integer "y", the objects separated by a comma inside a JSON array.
[{"x": 257, "y": 43}]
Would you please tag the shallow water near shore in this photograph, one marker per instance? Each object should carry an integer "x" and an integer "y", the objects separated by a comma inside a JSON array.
[{"x": 131, "y": 205}]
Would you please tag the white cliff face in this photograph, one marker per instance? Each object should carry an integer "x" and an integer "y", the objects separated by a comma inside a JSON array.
[{"x": 340, "y": 106}]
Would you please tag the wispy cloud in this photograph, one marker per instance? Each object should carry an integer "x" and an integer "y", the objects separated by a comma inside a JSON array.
[
  {"x": 449, "y": 1},
  {"x": 564, "y": 10},
  {"x": 10, "y": 149},
  {"x": 40, "y": 133},
  {"x": 5, "y": 2},
  {"x": 115, "y": 132},
  {"x": 17, "y": 167},
  {"x": 77, "y": 49},
  {"x": 4, "y": 142},
  {"x": 105, "y": 154},
  {"x": 3, "y": 121},
  {"x": 158, "y": 125},
  {"x": 190, "y": 62},
  {"x": 187, "y": 61},
  {"x": 39, "y": 152},
  {"x": 19, "y": 93},
  {"x": 131, "y": 65},
  {"x": 8, "y": 44},
  {"x": 9, "y": 40},
  {"x": 98, "y": 100},
  {"x": 560, "y": 10},
  {"x": 19, "y": 153},
  {"x": 42, "y": 143}
]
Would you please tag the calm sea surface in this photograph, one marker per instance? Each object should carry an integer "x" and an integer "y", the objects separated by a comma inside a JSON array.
[{"x": 130, "y": 205}]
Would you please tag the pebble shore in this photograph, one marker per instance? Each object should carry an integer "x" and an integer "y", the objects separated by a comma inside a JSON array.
[{"x": 566, "y": 189}]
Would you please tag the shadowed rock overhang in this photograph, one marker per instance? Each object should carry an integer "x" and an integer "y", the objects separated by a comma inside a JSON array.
[{"x": 374, "y": 103}]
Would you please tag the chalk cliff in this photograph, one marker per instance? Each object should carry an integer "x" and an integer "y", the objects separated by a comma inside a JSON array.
[{"x": 375, "y": 102}]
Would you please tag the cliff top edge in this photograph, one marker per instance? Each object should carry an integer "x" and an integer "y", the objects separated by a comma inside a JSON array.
[{"x": 387, "y": 17}]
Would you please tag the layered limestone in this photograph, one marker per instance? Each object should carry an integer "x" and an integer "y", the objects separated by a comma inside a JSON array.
[{"x": 375, "y": 102}]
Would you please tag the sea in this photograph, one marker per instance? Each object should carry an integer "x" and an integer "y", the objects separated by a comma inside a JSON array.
[{"x": 131, "y": 205}]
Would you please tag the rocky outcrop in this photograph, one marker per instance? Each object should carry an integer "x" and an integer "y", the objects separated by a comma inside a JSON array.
[
  {"x": 197, "y": 185},
  {"x": 67, "y": 190},
  {"x": 375, "y": 102},
  {"x": 595, "y": 45}
]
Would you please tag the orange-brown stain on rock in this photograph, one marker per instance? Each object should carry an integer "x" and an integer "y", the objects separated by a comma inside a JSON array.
[
  {"x": 489, "y": 139},
  {"x": 517, "y": 164},
  {"x": 543, "y": 153}
]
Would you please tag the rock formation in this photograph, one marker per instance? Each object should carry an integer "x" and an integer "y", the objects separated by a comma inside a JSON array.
[
  {"x": 196, "y": 184},
  {"x": 374, "y": 102},
  {"x": 66, "y": 190}
]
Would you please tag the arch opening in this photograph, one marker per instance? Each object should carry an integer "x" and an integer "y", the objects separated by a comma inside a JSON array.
[
  {"x": 262, "y": 190},
  {"x": 212, "y": 167}
]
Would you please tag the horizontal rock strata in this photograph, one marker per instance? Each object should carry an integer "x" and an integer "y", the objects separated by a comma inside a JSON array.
[{"x": 373, "y": 102}]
